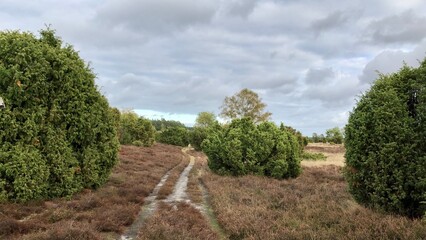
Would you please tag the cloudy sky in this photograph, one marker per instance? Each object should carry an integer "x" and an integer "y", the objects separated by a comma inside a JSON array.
[{"x": 308, "y": 60}]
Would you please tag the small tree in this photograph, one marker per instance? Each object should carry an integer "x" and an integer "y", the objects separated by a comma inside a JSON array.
[
  {"x": 385, "y": 142},
  {"x": 57, "y": 132},
  {"x": 245, "y": 104},
  {"x": 205, "y": 119},
  {"x": 334, "y": 135}
]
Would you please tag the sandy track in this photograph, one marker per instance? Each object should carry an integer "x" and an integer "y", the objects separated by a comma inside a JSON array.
[{"x": 179, "y": 195}]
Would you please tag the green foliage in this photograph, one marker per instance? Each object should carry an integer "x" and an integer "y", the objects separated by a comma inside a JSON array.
[
  {"x": 137, "y": 143},
  {"x": 163, "y": 124},
  {"x": 197, "y": 136},
  {"x": 334, "y": 135},
  {"x": 57, "y": 132},
  {"x": 385, "y": 143},
  {"x": 246, "y": 148},
  {"x": 245, "y": 104},
  {"x": 134, "y": 128},
  {"x": 178, "y": 136},
  {"x": 313, "y": 156},
  {"x": 205, "y": 119},
  {"x": 301, "y": 140},
  {"x": 203, "y": 123}
]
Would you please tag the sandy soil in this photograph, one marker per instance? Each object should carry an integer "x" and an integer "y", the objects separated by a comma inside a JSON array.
[{"x": 335, "y": 154}]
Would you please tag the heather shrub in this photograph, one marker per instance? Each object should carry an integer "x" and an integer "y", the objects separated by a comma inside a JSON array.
[
  {"x": 57, "y": 133},
  {"x": 246, "y": 148},
  {"x": 385, "y": 143}
]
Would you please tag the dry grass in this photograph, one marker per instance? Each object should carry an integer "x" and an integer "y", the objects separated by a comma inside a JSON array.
[
  {"x": 335, "y": 154},
  {"x": 94, "y": 214},
  {"x": 176, "y": 222},
  {"x": 316, "y": 205}
]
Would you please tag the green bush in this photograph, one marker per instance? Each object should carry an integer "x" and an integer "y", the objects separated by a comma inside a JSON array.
[
  {"x": 197, "y": 136},
  {"x": 178, "y": 136},
  {"x": 245, "y": 148},
  {"x": 137, "y": 143},
  {"x": 313, "y": 156},
  {"x": 385, "y": 144},
  {"x": 57, "y": 133},
  {"x": 134, "y": 128}
]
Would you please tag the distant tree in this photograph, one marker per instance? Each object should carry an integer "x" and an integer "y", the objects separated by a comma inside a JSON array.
[
  {"x": 161, "y": 124},
  {"x": 334, "y": 135},
  {"x": 134, "y": 128},
  {"x": 205, "y": 119},
  {"x": 321, "y": 138},
  {"x": 245, "y": 104},
  {"x": 315, "y": 138}
]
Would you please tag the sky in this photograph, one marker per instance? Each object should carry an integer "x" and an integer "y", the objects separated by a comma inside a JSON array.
[{"x": 308, "y": 60}]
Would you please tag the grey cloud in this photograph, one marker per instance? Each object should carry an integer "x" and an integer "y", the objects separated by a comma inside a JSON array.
[
  {"x": 240, "y": 8},
  {"x": 391, "y": 61},
  {"x": 333, "y": 20},
  {"x": 156, "y": 16},
  {"x": 339, "y": 91},
  {"x": 406, "y": 27},
  {"x": 319, "y": 75}
]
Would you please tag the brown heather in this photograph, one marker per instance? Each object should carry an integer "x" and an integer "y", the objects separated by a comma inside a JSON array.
[
  {"x": 177, "y": 222},
  {"x": 316, "y": 205},
  {"x": 94, "y": 214}
]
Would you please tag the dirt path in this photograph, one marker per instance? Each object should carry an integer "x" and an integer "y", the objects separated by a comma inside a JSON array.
[
  {"x": 147, "y": 210},
  {"x": 178, "y": 196},
  {"x": 179, "y": 191}
]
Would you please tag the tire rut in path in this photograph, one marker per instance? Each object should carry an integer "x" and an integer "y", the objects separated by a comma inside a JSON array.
[
  {"x": 146, "y": 210},
  {"x": 178, "y": 195}
]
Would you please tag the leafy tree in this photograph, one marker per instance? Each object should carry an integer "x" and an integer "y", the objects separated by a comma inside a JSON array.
[
  {"x": 245, "y": 104},
  {"x": 385, "y": 141},
  {"x": 246, "y": 148},
  {"x": 205, "y": 119},
  {"x": 334, "y": 135},
  {"x": 135, "y": 130},
  {"x": 57, "y": 132}
]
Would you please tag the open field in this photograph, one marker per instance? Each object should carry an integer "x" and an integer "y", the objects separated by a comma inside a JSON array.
[
  {"x": 335, "y": 154},
  {"x": 316, "y": 205},
  {"x": 190, "y": 202}
]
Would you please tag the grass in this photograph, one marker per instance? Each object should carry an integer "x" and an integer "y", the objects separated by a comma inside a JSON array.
[
  {"x": 316, "y": 205},
  {"x": 313, "y": 156},
  {"x": 94, "y": 214}
]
